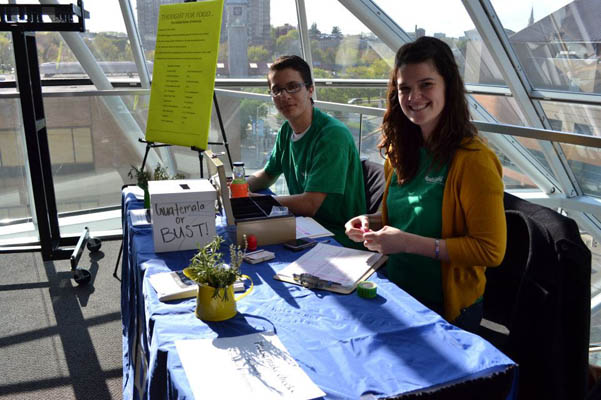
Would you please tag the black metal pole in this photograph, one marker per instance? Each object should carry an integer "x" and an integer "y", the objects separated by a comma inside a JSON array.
[
  {"x": 33, "y": 151},
  {"x": 42, "y": 136},
  {"x": 225, "y": 143}
]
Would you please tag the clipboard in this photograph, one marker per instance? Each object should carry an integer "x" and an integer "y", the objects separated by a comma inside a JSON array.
[{"x": 340, "y": 269}]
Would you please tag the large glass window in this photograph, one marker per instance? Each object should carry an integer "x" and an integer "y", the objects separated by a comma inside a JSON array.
[
  {"x": 570, "y": 117},
  {"x": 7, "y": 62},
  {"x": 105, "y": 36},
  {"x": 13, "y": 189},
  {"x": 506, "y": 111},
  {"x": 449, "y": 21},
  {"x": 88, "y": 150},
  {"x": 15, "y": 205},
  {"x": 584, "y": 161},
  {"x": 344, "y": 48},
  {"x": 557, "y": 42}
]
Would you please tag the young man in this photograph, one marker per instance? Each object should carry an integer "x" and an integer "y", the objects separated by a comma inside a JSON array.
[{"x": 315, "y": 152}]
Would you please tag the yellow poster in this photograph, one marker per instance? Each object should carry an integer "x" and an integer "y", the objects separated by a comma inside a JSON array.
[{"x": 183, "y": 79}]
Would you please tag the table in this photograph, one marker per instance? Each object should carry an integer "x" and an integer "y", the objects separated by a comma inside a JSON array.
[{"x": 391, "y": 346}]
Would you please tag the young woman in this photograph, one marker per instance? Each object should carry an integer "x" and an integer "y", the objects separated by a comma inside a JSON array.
[{"x": 442, "y": 220}]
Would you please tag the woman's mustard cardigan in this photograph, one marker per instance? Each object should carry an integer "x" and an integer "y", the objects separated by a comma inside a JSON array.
[{"x": 473, "y": 223}]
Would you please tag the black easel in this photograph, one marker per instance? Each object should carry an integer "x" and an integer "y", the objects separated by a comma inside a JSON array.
[
  {"x": 23, "y": 21},
  {"x": 152, "y": 145}
]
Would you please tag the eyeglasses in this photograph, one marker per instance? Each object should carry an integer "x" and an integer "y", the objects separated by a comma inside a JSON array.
[{"x": 291, "y": 88}]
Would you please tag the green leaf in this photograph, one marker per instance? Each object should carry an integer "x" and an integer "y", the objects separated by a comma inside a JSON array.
[{"x": 207, "y": 268}]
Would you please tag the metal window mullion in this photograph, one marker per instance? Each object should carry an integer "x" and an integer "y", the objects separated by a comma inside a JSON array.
[
  {"x": 374, "y": 18},
  {"x": 136, "y": 46},
  {"x": 305, "y": 42},
  {"x": 566, "y": 97},
  {"x": 491, "y": 31},
  {"x": 584, "y": 204}
]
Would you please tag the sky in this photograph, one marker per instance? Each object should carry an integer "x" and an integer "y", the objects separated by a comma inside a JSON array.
[{"x": 446, "y": 16}]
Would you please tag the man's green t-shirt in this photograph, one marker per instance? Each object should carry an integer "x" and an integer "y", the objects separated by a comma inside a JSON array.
[
  {"x": 416, "y": 207},
  {"x": 324, "y": 159}
]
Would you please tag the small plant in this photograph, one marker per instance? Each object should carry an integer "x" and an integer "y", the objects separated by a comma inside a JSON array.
[
  {"x": 142, "y": 177},
  {"x": 207, "y": 267}
]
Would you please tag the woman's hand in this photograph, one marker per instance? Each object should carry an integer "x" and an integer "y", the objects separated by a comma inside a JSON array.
[
  {"x": 387, "y": 240},
  {"x": 356, "y": 227}
]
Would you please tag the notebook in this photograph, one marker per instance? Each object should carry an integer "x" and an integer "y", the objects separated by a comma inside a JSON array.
[
  {"x": 307, "y": 227},
  {"x": 175, "y": 285}
]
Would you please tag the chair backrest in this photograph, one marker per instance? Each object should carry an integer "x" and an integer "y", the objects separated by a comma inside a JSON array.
[
  {"x": 541, "y": 293},
  {"x": 503, "y": 282},
  {"x": 373, "y": 180}
]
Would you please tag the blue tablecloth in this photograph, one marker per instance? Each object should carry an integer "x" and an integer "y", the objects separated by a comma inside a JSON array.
[{"x": 349, "y": 346}]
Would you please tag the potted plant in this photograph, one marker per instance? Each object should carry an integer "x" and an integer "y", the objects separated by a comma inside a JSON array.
[
  {"x": 215, "y": 300},
  {"x": 142, "y": 177}
]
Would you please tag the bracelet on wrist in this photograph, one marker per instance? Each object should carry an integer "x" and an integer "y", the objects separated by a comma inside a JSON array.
[{"x": 436, "y": 249}]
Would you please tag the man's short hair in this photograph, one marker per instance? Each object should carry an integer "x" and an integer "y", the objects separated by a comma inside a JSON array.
[{"x": 294, "y": 62}]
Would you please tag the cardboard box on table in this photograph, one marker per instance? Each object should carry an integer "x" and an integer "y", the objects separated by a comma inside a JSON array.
[
  {"x": 182, "y": 214},
  {"x": 250, "y": 215}
]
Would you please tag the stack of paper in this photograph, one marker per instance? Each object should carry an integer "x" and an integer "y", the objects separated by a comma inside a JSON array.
[
  {"x": 140, "y": 217},
  {"x": 307, "y": 227},
  {"x": 255, "y": 366}
]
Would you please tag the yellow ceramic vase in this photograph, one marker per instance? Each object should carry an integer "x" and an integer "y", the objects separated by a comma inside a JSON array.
[{"x": 209, "y": 308}]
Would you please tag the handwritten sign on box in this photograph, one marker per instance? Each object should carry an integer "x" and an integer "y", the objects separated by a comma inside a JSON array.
[{"x": 183, "y": 214}]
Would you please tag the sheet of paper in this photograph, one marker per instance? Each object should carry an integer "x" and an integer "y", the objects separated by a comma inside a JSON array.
[
  {"x": 183, "y": 78},
  {"x": 255, "y": 366},
  {"x": 139, "y": 217},
  {"x": 307, "y": 227},
  {"x": 333, "y": 263}
]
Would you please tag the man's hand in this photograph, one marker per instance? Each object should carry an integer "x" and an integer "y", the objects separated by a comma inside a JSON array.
[
  {"x": 259, "y": 180},
  {"x": 305, "y": 204}
]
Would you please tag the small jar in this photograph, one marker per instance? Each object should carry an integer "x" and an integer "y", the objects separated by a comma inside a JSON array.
[
  {"x": 239, "y": 172},
  {"x": 239, "y": 186}
]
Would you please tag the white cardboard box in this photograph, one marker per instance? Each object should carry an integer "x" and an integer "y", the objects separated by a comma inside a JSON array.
[{"x": 182, "y": 214}]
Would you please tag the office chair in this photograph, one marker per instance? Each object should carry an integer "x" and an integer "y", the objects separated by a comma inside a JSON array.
[
  {"x": 373, "y": 180},
  {"x": 541, "y": 294}
]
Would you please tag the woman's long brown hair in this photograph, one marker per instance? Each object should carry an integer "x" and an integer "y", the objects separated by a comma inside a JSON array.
[{"x": 401, "y": 138}]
